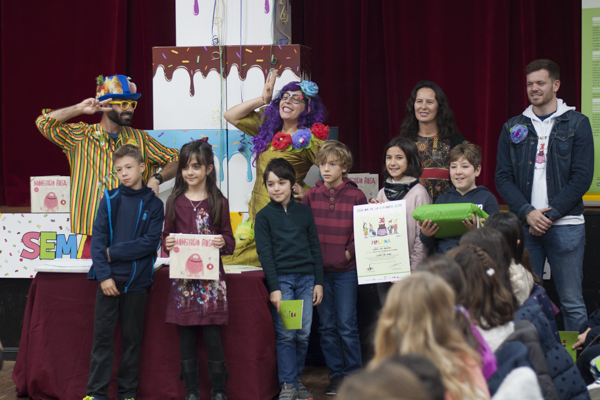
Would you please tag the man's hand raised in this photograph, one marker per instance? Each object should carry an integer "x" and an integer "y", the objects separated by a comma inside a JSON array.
[{"x": 91, "y": 106}]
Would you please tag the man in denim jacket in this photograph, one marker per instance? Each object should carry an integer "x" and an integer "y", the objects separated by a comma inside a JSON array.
[{"x": 545, "y": 166}]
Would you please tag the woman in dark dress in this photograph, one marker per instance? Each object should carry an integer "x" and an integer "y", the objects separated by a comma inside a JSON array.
[{"x": 430, "y": 123}]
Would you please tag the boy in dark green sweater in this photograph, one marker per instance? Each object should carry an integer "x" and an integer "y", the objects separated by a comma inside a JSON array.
[{"x": 288, "y": 248}]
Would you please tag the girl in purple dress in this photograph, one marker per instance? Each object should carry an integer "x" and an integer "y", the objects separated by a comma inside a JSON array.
[{"x": 197, "y": 206}]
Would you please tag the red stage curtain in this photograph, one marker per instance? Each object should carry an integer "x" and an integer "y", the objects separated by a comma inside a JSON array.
[
  {"x": 51, "y": 54},
  {"x": 367, "y": 56}
]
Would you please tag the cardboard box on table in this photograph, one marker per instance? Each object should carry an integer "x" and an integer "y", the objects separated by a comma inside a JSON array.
[
  {"x": 201, "y": 22},
  {"x": 50, "y": 194}
]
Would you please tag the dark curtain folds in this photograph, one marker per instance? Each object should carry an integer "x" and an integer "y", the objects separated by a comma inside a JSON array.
[
  {"x": 51, "y": 54},
  {"x": 367, "y": 56}
]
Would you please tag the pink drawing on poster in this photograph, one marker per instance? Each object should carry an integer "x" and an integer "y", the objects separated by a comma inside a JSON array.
[
  {"x": 194, "y": 266},
  {"x": 50, "y": 202}
]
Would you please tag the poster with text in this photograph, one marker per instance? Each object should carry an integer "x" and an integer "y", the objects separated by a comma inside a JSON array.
[
  {"x": 590, "y": 85},
  {"x": 194, "y": 257},
  {"x": 368, "y": 183},
  {"x": 50, "y": 194},
  {"x": 381, "y": 242}
]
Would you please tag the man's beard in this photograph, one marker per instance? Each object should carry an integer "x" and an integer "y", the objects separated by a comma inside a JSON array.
[{"x": 118, "y": 119}]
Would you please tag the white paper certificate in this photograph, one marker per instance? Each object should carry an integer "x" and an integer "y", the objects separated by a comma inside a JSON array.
[
  {"x": 194, "y": 257},
  {"x": 381, "y": 242}
]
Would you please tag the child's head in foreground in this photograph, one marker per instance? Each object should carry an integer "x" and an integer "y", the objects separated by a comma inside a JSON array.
[
  {"x": 419, "y": 316},
  {"x": 411, "y": 377}
]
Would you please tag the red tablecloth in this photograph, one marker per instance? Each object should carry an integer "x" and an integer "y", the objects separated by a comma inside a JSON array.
[{"x": 56, "y": 342}]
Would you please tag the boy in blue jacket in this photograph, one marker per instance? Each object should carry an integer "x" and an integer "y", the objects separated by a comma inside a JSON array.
[
  {"x": 465, "y": 167},
  {"x": 127, "y": 232}
]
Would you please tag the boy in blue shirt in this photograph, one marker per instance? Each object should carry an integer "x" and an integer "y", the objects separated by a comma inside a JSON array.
[
  {"x": 465, "y": 167},
  {"x": 127, "y": 232},
  {"x": 288, "y": 248}
]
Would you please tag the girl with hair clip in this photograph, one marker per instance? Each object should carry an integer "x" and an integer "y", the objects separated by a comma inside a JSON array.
[
  {"x": 288, "y": 125},
  {"x": 489, "y": 303},
  {"x": 197, "y": 206},
  {"x": 447, "y": 269},
  {"x": 419, "y": 317},
  {"x": 401, "y": 171},
  {"x": 493, "y": 311},
  {"x": 429, "y": 122},
  {"x": 496, "y": 246}
]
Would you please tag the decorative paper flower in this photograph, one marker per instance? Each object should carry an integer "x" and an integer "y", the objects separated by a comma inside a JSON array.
[
  {"x": 518, "y": 133},
  {"x": 99, "y": 136},
  {"x": 309, "y": 88},
  {"x": 490, "y": 272},
  {"x": 301, "y": 138},
  {"x": 281, "y": 141},
  {"x": 320, "y": 131}
]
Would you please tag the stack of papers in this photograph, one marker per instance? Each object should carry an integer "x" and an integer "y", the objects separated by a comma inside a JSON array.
[{"x": 238, "y": 269}]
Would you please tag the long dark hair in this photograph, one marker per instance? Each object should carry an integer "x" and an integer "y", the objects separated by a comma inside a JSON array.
[
  {"x": 487, "y": 299},
  {"x": 204, "y": 155},
  {"x": 510, "y": 226},
  {"x": 444, "y": 118},
  {"x": 414, "y": 166},
  {"x": 496, "y": 245}
]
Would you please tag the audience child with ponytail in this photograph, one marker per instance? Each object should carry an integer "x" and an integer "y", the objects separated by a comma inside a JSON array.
[
  {"x": 447, "y": 269},
  {"x": 489, "y": 302},
  {"x": 419, "y": 316}
]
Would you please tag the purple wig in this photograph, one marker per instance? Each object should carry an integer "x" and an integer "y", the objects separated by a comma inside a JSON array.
[{"x": 273, "y": 122}]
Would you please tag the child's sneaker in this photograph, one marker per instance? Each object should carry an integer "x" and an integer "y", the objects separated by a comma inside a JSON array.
[
  {"x": 303, "y": 394},
  {"x": 334, "y": 385},
  {"x": 594, "y": 390},
  {"x": 288, "y": 392}
]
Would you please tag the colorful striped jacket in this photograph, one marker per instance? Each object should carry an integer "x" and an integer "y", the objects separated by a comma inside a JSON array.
[{"x": 89, "y": 150}]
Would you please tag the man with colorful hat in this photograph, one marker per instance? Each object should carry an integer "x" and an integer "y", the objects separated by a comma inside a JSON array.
[{"x": 90, "y": 147}]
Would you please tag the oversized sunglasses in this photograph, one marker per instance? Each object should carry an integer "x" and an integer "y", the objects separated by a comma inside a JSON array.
[
  {"x": 295, "y": 98},
  {"x": 125, "y": 104}
]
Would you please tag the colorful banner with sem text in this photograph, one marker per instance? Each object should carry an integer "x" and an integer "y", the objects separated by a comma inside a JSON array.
[{"x": 31, "y": 240}]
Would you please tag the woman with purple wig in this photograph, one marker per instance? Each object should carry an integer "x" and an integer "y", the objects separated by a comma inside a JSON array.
[{"x": 289, "y": 126}]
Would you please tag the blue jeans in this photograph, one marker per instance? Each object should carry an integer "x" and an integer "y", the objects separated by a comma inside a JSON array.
[
  {"x": 340, "y": 341},
  {"x": 292, "y": 345},
  {"x": 564, "y": 246}
]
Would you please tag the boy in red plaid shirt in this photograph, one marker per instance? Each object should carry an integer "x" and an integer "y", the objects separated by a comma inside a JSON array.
[{"x": 331, "y": 201}]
